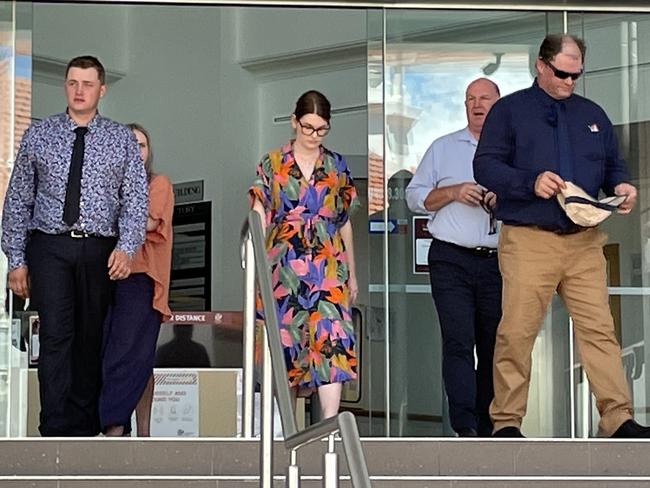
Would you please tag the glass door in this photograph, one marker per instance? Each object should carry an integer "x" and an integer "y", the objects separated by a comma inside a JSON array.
[
  {"x": 415, "y": 96},
  {"x": 15, "y": 108},
  {"x": 617, "y": 77}
]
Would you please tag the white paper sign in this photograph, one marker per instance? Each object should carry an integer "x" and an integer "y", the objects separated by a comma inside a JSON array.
[
  {"x": 175, "y": 409},
  {"x": 422, "y": 251}
]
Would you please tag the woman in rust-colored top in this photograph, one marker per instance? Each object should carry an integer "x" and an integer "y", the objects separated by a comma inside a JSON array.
[{"x": 139, "y": 307}]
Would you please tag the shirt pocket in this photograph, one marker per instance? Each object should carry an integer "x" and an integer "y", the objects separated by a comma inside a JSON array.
[
  {"x": 591, "y": 157},
  {"x": 592, "y": 146}
]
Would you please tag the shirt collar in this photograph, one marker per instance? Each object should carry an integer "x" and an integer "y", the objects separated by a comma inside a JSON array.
[
  {"x": 70, "y": 124},
  {"x": 287, "y": 151},
  {"x": 466, "y": 136},
  {"x": 546, "y": 99}
]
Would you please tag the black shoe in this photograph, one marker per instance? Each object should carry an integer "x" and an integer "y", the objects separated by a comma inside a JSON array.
[
  {"x": 466, "y": 432},
  {"x": 508, "y": 432},
  {"x": 631, "y": 430}
]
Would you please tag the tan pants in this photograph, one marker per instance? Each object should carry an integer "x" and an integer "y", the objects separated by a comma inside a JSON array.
[{"x": 534, "y": 263}]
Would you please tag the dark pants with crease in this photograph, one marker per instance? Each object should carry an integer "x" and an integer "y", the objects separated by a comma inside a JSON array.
[
  {"x": 71, "y": 290},
  {"x": 466, "y": 289}
]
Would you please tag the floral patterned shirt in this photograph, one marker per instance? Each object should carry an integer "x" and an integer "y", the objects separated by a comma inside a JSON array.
[{"x": 113, "y": 185}]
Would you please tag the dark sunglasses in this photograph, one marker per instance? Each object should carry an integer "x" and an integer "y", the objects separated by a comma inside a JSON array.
[{"x": 563, "y": 75}]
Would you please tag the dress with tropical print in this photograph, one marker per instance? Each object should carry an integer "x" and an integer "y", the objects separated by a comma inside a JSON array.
[{"x": 309, "y": 264}]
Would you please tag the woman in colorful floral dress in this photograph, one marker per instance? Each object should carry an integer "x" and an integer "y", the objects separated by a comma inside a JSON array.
[{"x": 304, "y": 193}]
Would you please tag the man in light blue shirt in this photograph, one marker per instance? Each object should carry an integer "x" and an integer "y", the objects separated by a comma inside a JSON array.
[{"x": 463, "y": 265}]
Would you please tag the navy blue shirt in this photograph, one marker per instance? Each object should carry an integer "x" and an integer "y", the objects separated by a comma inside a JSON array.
[{"x": 519, "y": 141}]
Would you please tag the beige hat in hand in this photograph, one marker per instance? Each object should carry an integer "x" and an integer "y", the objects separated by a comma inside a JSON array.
[{"x": 585, "y": 210}]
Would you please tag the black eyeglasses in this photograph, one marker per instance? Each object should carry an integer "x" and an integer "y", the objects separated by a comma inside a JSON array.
[
  {"x": 563, "y": 75},
  {"x": 308, "y": 130}
]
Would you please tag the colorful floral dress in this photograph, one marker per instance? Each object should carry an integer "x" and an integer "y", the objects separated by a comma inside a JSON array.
[{"x": 309, "y": 265}]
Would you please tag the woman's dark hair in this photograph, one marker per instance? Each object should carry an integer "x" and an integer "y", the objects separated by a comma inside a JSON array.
[
  {"x": 313, "y": 102},
  {"x": 148, "y": 164}
]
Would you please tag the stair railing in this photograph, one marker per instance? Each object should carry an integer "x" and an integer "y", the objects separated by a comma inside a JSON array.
[{"x": 274, "y": 379}]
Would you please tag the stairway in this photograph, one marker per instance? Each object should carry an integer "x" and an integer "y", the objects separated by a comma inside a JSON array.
[{"x": 392, "y": 463}]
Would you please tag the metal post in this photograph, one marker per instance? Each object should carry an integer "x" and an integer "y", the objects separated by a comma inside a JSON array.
[
  {"x": 293, "y": 471},
  {"x": 331, "y": 465},
  {"x": 266, "y": 417},
  {"x": 387, "y": 324},
  {"x": 353, "y": 450},
  {"x": 572, "y": 383},
  {"x": 248, "y": 386},
  {"x": 586, "y": 405}
]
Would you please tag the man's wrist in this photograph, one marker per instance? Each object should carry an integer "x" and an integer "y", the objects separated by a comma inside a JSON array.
[
  {"x": 129, "y": 254},
  {"x": 126, "y": 248},
  {"x": 17, "y": 262},
  {"x": 450, "y": 193}
]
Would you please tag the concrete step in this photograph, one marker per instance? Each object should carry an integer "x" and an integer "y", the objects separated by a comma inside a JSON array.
[
  {"x": 549, "y": 482},
  {"x": 416, "y": 462}
]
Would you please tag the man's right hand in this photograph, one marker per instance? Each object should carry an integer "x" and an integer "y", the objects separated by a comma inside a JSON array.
[
  {"x": 548, "y": 184},
  {"x": 19, "y": 281},
  {"x": 468, "y": 193}
]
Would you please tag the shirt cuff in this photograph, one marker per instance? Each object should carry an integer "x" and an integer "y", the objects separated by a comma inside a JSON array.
[
  {"x": 122, "y": 246},
  {"x": 16, "y": 261}
]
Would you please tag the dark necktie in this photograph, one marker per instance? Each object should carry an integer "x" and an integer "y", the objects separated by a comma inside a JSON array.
[
  {"x": 73, "y": 191},
  {"x": 563, "y": 143}
]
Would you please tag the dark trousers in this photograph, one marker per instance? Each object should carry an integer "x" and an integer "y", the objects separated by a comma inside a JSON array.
[
  {"x": 131, "y": 331},
  {"x": 466, "y": 290},
  {"x": 71, "y": 290}
]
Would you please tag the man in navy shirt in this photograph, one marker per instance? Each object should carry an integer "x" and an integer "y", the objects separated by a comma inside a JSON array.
[{"x": 532, "y": 142}]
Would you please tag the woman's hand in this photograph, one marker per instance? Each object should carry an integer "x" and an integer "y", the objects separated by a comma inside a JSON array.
[{"x": 353, "y": 288}]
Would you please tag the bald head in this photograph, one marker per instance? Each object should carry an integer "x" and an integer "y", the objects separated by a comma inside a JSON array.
[
  {"x": 480, "y": 95},
  {"x": 485, "y": 83}
]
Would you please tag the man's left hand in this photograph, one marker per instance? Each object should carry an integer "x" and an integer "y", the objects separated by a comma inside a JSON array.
[
  {"x": 630, "y": 193},
  {"x": 119, "y": 265}
]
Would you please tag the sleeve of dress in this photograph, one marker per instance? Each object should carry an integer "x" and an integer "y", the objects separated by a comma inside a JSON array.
[
  {"x": 260, "y": 188},
  {"x": 348, "y": 200},
  {"x": 161, "y": 207}
]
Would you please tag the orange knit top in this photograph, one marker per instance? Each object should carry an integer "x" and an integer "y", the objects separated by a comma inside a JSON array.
[{"x": 155, "y": 256}]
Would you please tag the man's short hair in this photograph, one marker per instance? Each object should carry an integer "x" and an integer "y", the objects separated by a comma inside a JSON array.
[
  {"x": 552, "y": 45},
  {"x": 85, "y": 62}
]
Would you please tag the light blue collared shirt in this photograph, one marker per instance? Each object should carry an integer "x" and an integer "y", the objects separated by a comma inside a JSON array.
[{"x": 448, "y": 161}]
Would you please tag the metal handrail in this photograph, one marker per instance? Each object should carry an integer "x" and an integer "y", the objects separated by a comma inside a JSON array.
[
  {"x": 344, "y": 423},
  {"x": 272, "y": 327}
]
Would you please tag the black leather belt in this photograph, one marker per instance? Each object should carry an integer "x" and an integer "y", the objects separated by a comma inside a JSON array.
[
  {"x": 483, "y": 251},
  {"x": 80, "y": 234},
  {"x": 75, "y": 234},
  {"x": 486, "y": 252},
  {"x": 562, "y": 232}
]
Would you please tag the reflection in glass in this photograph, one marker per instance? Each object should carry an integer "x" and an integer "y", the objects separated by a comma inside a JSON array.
[
  {"x": 617, "y": 77},
  {"x": 429, "y": 59},
  {"x": 15, "y": 112}
]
